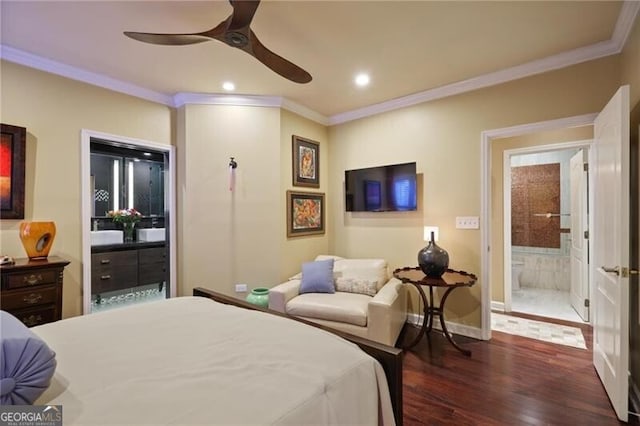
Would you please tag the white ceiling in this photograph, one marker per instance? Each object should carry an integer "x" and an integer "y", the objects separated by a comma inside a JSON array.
[{"x": 407, "y": 47}]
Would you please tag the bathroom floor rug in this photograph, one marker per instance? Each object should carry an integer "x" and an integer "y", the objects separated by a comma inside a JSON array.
[{"x": 548, "y": 332}]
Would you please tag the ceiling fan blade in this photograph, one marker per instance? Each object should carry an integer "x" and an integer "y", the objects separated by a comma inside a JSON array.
[
  {"x": 243, "y": 11},
  {"x": 276, "y": 62},
  {"x": 167, "y": 39}
]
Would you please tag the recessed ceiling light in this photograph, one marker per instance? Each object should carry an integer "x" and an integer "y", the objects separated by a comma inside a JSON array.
[
  {"x": 228, "y": 86},
  {"x": 362, "y": 80}
]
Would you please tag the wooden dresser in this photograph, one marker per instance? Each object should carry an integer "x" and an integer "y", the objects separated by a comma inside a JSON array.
[{"x": 32, "y": 289}]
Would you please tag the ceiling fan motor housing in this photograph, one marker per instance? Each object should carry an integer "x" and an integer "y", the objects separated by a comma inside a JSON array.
[{"x": 236, "y": 39}]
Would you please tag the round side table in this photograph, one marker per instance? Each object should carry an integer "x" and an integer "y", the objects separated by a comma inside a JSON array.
[{"x": 450, "y": 280}]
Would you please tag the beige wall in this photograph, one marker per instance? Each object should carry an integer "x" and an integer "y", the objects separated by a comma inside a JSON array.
[
  {"x": 443, "y": 136},
  {"x": 498, "y": 147},
  {"x": 54, "y": 110},
  {"x": 229, "y": 237},
  {"x": 297, "y": 250}
]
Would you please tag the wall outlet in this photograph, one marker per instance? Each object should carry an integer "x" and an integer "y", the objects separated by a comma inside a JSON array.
[
  {"x": 241, "y": 288},
  {"x": 467, "y": 222}
]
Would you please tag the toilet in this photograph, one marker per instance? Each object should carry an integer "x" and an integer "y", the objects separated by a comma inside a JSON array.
[{"x": 516, "y": 271}]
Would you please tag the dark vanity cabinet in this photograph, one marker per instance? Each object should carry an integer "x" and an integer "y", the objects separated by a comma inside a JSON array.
[
  {"x": 151, "y": 265},
  {"x": 32, "y": 289},
  {"x": 114, "y": 270},
  {"x": 128, "y": 267}
]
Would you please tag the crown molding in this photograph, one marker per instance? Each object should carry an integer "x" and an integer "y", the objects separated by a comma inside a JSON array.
[
  {"x": 53, "y": 67},
  {"x": 305, "y": 112},
  {"x": 624, "y": 24},
  {"x": 186, "y": 98}
]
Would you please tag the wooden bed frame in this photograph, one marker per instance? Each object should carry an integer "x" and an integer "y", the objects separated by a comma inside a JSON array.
[{"x": 389, "y": 357}]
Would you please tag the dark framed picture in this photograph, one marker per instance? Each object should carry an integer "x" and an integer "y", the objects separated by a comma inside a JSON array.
[
  {"x": 12, "y": 155},
  {"x": 305, "y": 213},
  {"x": 306, "y": 162}
]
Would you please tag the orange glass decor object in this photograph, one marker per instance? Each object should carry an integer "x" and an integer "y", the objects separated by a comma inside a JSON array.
[{"x": 37, "y": 238}]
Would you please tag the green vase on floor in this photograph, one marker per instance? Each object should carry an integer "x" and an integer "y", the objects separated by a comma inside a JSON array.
[{"x": 259, "y": 296}]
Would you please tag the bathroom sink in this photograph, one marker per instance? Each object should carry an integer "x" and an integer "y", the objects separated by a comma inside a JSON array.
[
  {"x": 99, "y": 238},
  {"x": 151, "y": 234}
]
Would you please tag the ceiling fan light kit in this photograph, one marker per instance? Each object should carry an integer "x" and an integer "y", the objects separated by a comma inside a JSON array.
[{"x": 235, "y": 31}]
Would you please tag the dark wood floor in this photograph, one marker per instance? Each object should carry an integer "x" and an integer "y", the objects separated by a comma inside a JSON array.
[{"x": 509, "y": 380}]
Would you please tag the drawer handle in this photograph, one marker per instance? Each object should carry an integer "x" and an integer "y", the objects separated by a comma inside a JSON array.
[
  {"x": 105, "y": 261},
  {"x": 32, "y": 279},
  {"x": 105, "y": 277},
  {"x": 32, "y": 298},
  {"x": 32, "y": 320}
]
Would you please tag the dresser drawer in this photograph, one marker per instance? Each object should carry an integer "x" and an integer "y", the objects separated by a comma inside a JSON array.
[
  {"x": 32, "y": 289},
  {"x": 29, "y": 297},
  {"x": 36, "y": 315},
  {"x": 30, "y": 278}
]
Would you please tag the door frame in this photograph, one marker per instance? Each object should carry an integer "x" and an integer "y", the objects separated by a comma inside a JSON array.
[
  {"x": 506, "y": 196},
  {"x": 486, "y": 137},
  {"x": 86, "y": 201}
]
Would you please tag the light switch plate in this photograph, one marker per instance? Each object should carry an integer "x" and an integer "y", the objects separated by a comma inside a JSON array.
[
  {"x": 467, "y": 222},
  {"x": 241, "y": 288}
]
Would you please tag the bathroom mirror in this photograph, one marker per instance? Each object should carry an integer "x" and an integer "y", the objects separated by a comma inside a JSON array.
[{"x": 124, "y": 178}]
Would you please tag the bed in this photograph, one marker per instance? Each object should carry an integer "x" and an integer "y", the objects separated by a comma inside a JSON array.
[{"x": 193, "y": 360}]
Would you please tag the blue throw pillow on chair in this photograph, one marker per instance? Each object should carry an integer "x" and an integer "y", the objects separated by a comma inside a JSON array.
[{"x": 317, "y": 277}]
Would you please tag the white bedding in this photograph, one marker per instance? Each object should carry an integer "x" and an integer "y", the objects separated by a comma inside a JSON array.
[{"x": 191, "y": 360}]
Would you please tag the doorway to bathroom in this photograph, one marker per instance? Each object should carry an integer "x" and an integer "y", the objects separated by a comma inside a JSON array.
[
  {"x": 128, "y": 221},
  {"x": 546, "y": 206}
]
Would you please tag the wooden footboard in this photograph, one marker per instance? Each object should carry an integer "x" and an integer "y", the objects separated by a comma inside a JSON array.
[{"x": 389, "y": 357}]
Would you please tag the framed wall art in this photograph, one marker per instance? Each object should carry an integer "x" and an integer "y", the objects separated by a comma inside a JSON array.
[
  {"x": 306, "y": 162},
  {"x": 305, "y": 213},
  {"x": 12, "y": 156}
]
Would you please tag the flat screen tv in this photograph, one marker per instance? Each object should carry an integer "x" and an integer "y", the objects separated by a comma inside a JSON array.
[{"x": 381, "y": 189}]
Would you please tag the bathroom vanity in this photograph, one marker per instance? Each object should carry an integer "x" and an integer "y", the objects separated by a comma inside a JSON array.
[{"x": 121, "y": 266}]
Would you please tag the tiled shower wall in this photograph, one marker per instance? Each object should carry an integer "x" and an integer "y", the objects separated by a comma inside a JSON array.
[{"x": 544, "y": 267}]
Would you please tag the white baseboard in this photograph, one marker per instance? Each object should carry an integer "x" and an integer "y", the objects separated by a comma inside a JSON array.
[
  {"x": 461, "y": 329},
  {"x": 497, "y": 306}
]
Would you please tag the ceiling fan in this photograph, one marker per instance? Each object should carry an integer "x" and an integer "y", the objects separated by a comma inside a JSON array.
[{"x": 236, "y": 32}]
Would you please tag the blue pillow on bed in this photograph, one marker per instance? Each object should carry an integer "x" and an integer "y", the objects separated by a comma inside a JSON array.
[
  {"x": 317, "y": 277},
  {"x": 26, "y": 363}
]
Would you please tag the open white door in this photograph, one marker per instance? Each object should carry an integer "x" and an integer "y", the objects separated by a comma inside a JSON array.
[
  {"x": 610, "y": 259},
  {"x": 579, "y": 243}
]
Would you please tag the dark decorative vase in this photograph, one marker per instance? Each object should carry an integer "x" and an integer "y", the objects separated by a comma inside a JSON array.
[
  {"x": 259, "y": 296},
  {"x": 433, "y": 259}
]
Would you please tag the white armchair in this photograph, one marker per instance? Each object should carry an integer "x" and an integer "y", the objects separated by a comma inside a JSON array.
[{"x": 378, "y": 315}]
